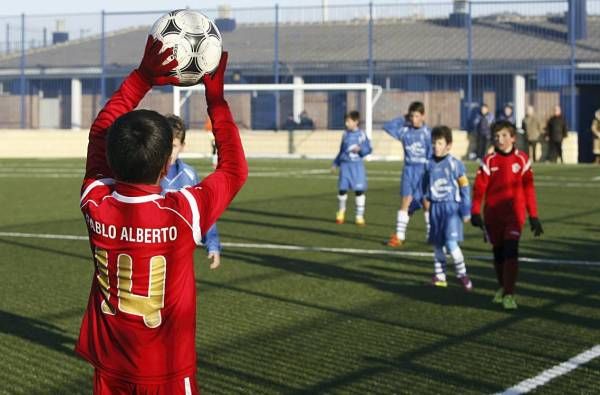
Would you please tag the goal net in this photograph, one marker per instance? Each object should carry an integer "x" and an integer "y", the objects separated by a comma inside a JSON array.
[{"x": 280, "y": 120}]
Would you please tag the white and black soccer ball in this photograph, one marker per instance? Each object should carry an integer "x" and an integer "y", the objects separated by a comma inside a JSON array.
[{"x": 196, "y": 43}]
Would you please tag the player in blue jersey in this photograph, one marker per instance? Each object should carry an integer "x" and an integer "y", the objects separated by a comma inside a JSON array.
[
  {"x": 416, "y": 141},
  {"x": 355, "y": 146},
  {"x": 446, "y": 188},
  {"x": 181, "y": 175}
]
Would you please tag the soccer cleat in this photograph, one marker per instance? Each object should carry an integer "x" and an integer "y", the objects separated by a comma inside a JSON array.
[
  {"x": 498, "y": 296},
  {"x": 509, "y": 302},
  {"x": 360, "y": 220},
  {"x": 466, "y": 283},
  {"x": 438, "y": 282},
  {"x": 339, "y": 217},
  {"x": 394, "y": 241}
]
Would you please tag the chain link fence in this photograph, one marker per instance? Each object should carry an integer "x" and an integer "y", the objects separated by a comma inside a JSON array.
[{"x": 56, "y": 71}]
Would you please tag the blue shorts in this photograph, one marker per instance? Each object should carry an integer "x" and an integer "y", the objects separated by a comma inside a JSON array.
[
  {"x": 352, "y": 177},
  {"x": 412, "y": 181},
  {"x": 446, "y": 223}
]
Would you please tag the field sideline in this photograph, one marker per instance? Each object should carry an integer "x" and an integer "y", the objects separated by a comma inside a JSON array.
[{"x": 302, "y": 305}]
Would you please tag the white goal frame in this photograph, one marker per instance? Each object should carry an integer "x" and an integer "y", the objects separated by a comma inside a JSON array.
[{"x": 372, "y": 94}]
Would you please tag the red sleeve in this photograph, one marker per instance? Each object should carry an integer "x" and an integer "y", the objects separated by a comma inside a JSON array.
[
  {"x": 479, "y": 187},
  {"x": 217, "y": 190},
  {"x": 529, "y": 191},
  {"x": 125, "y": 99}
]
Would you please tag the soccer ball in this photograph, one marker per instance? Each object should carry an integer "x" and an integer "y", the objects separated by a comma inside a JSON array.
[{"x": 196, "y": 43}]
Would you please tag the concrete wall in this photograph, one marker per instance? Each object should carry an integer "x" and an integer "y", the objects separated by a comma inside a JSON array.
[{"x": 321, "y": 143}]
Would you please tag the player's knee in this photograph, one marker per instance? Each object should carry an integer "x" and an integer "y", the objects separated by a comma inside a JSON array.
[
  {"x": 498, "y": 254},
  {"x": 511, "y": 249},
  {"x": 451, "y": 245}
]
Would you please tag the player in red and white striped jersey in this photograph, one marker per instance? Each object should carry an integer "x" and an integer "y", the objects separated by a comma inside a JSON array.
[{"x": 139, "y": 327}]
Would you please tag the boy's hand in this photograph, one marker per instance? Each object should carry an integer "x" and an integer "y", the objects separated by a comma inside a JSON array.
[
  {"x": 214, "y": 82},
  {"x": 466, "y": 219},
  {"x": 216, "y": 259},
  {"x": 354, "y": 148},
  {"x": 152, "y": 68},
  {"x": 536, "y": 226},
  {"x": 333, "y": 169},
  {"x": 476, "y": 221}
]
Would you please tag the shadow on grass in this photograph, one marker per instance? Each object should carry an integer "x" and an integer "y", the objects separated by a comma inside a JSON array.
[{"x": 36, "y": 331}]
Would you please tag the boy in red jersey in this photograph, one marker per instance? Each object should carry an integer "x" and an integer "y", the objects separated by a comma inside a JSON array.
[
  {"x": 139, "y": 327},
  {"x": 506, "y": 180}
]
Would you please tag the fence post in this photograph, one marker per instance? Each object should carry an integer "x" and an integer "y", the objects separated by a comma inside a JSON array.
[
  {"x": 103, "y": 58},
  {"x": 7, "y": 38},
  {"x": 573, "y": 45},
  {"x": 469, "y": 63},
  {"x": 276, "y": 66},
  {"x": 22, "y": 65},
  {"x": 371, "y": 71}
]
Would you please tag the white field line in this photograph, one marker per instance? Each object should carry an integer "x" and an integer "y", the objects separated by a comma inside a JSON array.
[
  {"x": 528, "y": 385},
  {"x": 288, "y": 247}
]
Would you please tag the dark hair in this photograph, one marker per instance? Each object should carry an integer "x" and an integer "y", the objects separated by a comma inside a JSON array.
[
  {"x": 441, "y": 132},
  {"x": 178, "y": 127},
  {"x": 353, "y": 115},
  {"x": 499, "y": 125},
  {"x": 416, "y": 106},
  {"x": 138, "y": 145}
]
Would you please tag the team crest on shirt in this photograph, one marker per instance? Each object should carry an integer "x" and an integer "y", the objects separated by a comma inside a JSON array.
[{"x": 516, "y": 168}]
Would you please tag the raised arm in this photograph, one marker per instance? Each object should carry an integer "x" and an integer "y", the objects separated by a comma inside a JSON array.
[
  {"x": 133, "y": 89},
  {"x": 394, "y": 127},
  {"x": 217, "y": 190}
]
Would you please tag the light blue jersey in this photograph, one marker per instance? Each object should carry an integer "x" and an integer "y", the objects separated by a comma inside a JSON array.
[
  {"x": 446, "y": 187},
  {"x": 417, "y": 151},
  {"x": 182, "y": 175},
  {"x": 352, "y": 168},
  {"x": 415, "y": 141}
]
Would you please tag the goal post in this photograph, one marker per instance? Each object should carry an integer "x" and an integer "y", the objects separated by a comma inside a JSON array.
[{"x": 372, "y": 94}]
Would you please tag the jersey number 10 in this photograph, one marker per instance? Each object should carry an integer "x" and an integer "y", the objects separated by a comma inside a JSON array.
[{"x": 148, "y": 307}]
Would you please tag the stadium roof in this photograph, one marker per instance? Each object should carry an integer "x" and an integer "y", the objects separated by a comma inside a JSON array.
[{"x": 500, "y": 44}]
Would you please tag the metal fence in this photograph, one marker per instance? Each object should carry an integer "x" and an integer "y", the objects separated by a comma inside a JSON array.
[{"x": 453, "y": 55}]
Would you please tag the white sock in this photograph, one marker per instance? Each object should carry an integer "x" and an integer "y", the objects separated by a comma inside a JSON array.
[
  {"x": 427, "y": 226},
  {"x": 459, "y": 262},
  {"x": 401, "y": 224},
  {"x": 360, "y": 205},
  {"x": 342, "y": 202},
  {"x": 439, "y": 263}
]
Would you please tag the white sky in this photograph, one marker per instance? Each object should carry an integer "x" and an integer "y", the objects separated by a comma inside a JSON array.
[{"x": 70, "y": 6}]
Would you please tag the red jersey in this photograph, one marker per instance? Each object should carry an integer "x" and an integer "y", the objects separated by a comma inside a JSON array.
[
  {"x": 506, "y": 182},
  {"x": 140, "y": 320}
]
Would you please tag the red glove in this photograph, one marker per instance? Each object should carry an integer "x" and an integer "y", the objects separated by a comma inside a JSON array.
[
  {"x": 152, "y": 68},
  {"x": 214, "y": 83}
]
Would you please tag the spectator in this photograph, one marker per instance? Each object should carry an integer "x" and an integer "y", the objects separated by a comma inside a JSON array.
[
  {"x": 556, "y": 131},
  {"x": 507, "y": 114},
  {"x": 533, "y": 131},
  {"x": 596, "y": 136},
  {"x": 482, "y": 129},
  {"x": 290, "y": 124},
  {"x": 306, "y": 123}
]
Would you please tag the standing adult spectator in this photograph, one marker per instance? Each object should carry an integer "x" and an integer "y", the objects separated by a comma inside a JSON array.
[
  {"x": 596, "y": 136},
  {"x": 306, "y": 122},
  {"x": 532, "y": 126},
  {"x": 482, "y": 129},
  {"x": 556, "y": 131}
]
